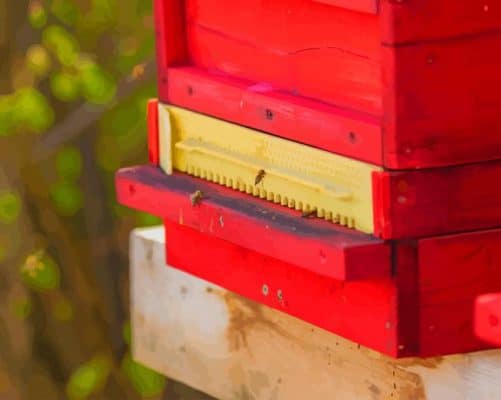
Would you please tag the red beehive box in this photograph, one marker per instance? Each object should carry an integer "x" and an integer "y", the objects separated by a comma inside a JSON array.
[
  {"x": 408, "y": 85},
  {"x": 398, "y": 83},
  {"x": 405, "y": 298}
]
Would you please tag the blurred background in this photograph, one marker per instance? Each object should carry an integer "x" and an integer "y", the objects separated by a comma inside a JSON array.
[{"x": 75, "y": 76}]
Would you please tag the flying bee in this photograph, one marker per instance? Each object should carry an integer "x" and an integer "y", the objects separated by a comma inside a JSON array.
[
  {"x": 309, "y": 213},
  {"x": 196, "y": 198},
  {"x": 260, "y": 176}
]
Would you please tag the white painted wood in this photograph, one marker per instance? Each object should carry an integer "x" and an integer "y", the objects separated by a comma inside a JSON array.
[{"x": 232, "y": 348}]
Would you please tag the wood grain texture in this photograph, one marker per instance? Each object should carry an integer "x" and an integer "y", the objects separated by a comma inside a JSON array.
[
  {"x": 433, "y": 93},
  {"x": 233, "y": 348},
  {"x": 308, "y": 55}
]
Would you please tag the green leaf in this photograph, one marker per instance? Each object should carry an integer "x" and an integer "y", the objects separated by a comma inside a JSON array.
[
  {"x": 145, "y": 381},
  {"x": 67, "y": 197},
  {"x": 40, "y": 272},
  {"x": 38, "y": 60},
  {"x": 65, "y": 11},
  {"x": 69, "y": 163},
  {"x": 89, "y": 378},
  {"x": 10, "y": 207},
  {"x": 37, "y": 15},
  {"x": 98, "y": 86},
  {"x": 62, "y": 43},
  {"x": 65, "y": 86},
  {"x": 31, "y": 110}
]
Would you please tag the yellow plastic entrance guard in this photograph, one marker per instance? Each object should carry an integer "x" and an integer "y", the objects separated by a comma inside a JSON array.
[{"x": 333, "y": 187}]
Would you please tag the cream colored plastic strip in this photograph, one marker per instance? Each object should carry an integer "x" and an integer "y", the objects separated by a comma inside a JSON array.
[{"x": 333, "y": 187}]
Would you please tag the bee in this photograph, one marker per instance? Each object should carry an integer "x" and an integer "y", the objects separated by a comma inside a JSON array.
[
  {"x": 309, "y": 213},
  {"x": 196, "y": 198},
  {"x": 260, "y": 176}
]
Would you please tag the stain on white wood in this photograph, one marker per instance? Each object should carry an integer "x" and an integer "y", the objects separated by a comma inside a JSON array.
[{"x": 235, "y": 349}]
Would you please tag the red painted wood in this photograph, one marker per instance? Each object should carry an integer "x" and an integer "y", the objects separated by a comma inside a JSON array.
[
  {"x": 368, "y": 6},
  {"x": 361, "y": 311},
  {"x": 407, "y": 204},
  {"x": 309, "y": 55},
  {"x": 488, "y": 318},
  {"x": 441, "y": 103},
  {"x": 170, "y": 38},
  {"x": 312, "y": 244},
  {"x": 153, "y": 138},
  {"x": 405, "y": 270},
  {"x": 261, "y": 107},
  {"x": 453, "y": 272},
  {"x": 427, "y": 309},
  {"x": 434, "y": 94},
  {"x": 347, "y": 282},
  {"x": 411, "y": 21},
  {"x": 422, "y": 203}
]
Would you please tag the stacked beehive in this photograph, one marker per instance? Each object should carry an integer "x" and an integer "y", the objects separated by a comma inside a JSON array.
[{"x": 335, "y": 159}]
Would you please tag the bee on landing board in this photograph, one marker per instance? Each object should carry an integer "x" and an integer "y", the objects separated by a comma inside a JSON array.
[
  {"x": 196, "y": 198},
  {"x": 260, "y": 176}
]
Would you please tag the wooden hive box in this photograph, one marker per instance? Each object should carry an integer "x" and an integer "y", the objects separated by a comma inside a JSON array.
[
  {"x": 404, "y": 298},
  {"x": 397, "y": 83},
  {"x": 381, "y": 116}
]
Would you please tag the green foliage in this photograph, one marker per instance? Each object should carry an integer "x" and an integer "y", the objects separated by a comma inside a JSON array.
[
  {"x": 10, "y": 207},
  {"x": 75, "y": 52},
  {"x": 67, "y": 197},
  {"x": 62, "y": 43},
  {"x": 33, "y": 110},
  {"x": 89, "y": 378},
  {"x": 98, "y": 86},
  {"x": 38, "y": 60},
  {"x": 40, "y": 272},
  {"x": 65, "y": 11},
  {"x": 37, "y": 16},
  {"x": 69, "y": 163},
  {"x": 104, "y": 11},
  {"x": 27, "y": 109},
  {"x": 65, "y": 86},
  {"x": 145, "y": 381}
]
